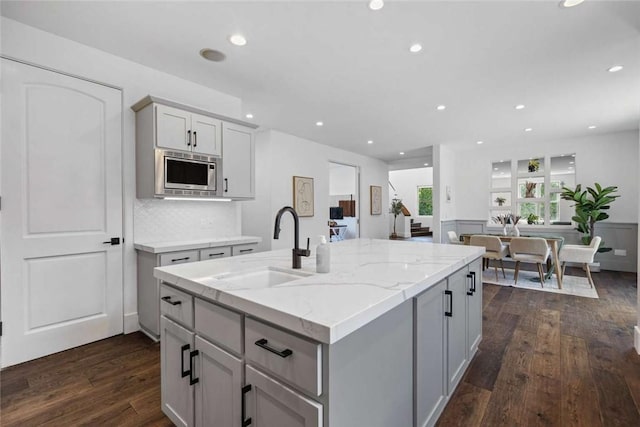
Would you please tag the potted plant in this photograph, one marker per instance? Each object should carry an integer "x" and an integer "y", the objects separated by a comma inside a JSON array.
[
  {"x": 396, "y": 209},
  {"x": 532, "y": 219},
  {"x": 534, "y": 165},
  {"x": 590, "y": 205},
  {"x": 500, "y": 200}
]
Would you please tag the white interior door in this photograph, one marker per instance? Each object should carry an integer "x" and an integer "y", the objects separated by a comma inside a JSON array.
[{"x": 61, "y": 199}]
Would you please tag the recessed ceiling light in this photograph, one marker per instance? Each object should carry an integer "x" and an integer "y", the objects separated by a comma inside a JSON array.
[
  {"x": 573, "y": 155},
  {"x": 615, "y": 68},
  {"x": 238, "y": 40},
  {"x": 441, "y": 107},
  {"x": 592, "y": 127},
  {"x": 249, "y": 116},
  {"x": 570, "y": 167},
  {"x": 519, "y": 107},
  {"x": 495, "y": 169},
  {"x": 369, "y": 142},
  {"x": 570, "y": 3},
  {"x": 479, "y": 142},
  {"x": 319, "y": 124},
  {"x": 426, "y": 164},
  {"x": 528, "y": 129},
  {"x": 402, "y": 153},
  {"x": 212, "y": 55},
  {"x": 572, "y": 163},
  {"x": 376, "y": 4},
  {"x": 415, "y": 48}
]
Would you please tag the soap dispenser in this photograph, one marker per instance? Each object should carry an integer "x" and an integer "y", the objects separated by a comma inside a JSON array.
[{"x": 323, "y": 256}]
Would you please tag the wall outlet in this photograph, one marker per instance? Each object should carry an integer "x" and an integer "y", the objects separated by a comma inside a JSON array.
[{"x": 620, "y": 252}]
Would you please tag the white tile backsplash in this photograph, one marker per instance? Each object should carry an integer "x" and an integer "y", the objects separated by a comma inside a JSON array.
[{"x": 166, "y": 220}]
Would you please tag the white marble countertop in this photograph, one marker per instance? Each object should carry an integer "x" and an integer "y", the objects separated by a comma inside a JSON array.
[
  {"x": 184, "y": 245},
  {"x": 367, "y": 279}
]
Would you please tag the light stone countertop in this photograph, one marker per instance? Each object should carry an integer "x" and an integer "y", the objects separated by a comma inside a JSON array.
[
  {"x": 184, "y": 245},
  {"x": 367, "y": 279}
]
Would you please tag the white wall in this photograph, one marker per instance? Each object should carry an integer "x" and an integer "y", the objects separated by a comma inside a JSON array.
[
  {"x": 279, "y": 157},
  {"x": 342, "y": 179},
  {"x": 609, "y": 159},
  {"x": 136, "y": 81},
  {"x": 406, "y": 183}
]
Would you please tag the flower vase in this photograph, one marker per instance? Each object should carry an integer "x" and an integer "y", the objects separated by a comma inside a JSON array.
[
  {"x": 504, "y": 230},
  {"x": 515, "y": 231}
]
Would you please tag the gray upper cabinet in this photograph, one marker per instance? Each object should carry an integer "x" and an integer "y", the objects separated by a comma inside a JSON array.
[
  {"x": 182, "y": 130},
  {"x": 238, "y": 162}
]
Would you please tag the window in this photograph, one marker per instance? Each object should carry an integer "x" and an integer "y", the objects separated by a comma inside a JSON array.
[
  {"x": 530, "y": 188},
  {"x": 425, "y": 201}
]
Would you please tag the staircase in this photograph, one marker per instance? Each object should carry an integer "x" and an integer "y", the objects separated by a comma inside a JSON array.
[{"x": 418, "y": 230}]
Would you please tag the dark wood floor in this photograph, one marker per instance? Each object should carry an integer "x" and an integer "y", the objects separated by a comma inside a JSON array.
[
  {"x": 546, "y": 359},
  {"x": 553, "y": 360}
]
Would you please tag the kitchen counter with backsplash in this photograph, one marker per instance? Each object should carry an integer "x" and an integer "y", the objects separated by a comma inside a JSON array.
[
  {"x": 159, "y": 247},
  {"x": 382, "y": 339}
]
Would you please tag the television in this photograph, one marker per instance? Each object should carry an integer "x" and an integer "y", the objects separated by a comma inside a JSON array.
[{"x": 335, "y": 213}]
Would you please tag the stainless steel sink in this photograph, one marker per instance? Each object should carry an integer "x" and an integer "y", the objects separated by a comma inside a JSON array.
[{"x": 262, "y": 277}]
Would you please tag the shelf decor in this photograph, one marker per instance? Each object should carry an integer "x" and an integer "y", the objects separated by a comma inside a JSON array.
[
  {"x": 534, "y": 165},
  {"x": 303, "y": 195},
  {"x": 530, "y": 190},
  {"x": 376, "y": 199}
]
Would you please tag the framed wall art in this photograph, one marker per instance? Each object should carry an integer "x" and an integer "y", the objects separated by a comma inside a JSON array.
[
  {"x": 376, "y": 199},
  {"x": 303, "y": 195}
]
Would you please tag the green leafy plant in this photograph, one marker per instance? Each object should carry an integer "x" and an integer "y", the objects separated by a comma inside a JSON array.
[
  {"x": 590, "y": 205},
  {"x": 534, "y": 165},
  {"x": 500, "y": 201},
  {"x": 532, "y": 218},
  {"x": 395, "y": 209}
]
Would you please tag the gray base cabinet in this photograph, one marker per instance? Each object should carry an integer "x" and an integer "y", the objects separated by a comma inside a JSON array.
[
  {"x": 448, "y": 329},
  {"x": 175, "y": 353}
]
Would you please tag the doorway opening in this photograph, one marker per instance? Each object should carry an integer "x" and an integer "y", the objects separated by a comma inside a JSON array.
[{"x": 344, "y": 202}]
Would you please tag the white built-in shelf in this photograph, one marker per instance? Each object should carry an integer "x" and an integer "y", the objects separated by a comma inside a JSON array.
[
  {"x": 500, "y": 190},
  {"x": 500, "y": 208},
  {"x": 530, "y": 199},
  {"x": 531, "y": 175}
]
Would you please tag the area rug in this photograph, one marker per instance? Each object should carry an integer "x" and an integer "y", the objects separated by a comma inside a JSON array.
[{"x": 571, "y": 285}]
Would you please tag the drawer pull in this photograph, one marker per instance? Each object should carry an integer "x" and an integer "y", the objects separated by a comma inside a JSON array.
[
  {"x": 193, "y": 380},
  {"x": 245, "y": 250},
  {"x": 168, "y": 299},
  {"x": 218, "y": 254},
  {"x": 265, "y": 344},
  {"x": 184, "y": 373},
  {"x": 450, "y": 312},
  {"x": 180, "y": 259},
  {"x": 471, "y": 290},
  {"x": 245, "y": 421}
]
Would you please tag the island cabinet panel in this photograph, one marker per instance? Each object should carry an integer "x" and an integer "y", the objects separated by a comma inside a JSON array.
[
  {"x": 295, "y": 359},
  {"x": 176, "y": 305},
  {"x": 218, "y": 392},
  {"x": 431, "y": 353},
  {"x": 176, "y": 346},
  {"x": 219, "y": 325},
  {"x": 272, "y": 404},
  {"x": 456, "y": 316},
  {"x": 474, "y": 303}
]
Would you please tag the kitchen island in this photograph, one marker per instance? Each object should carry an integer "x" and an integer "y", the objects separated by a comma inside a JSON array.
[{"x": 382, "y": 340}]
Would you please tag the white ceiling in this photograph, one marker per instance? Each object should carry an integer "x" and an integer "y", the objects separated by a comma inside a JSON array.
[{"x": 348, "y": 66}]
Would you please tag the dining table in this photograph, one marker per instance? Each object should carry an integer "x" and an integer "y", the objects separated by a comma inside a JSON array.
[{"x": 554, "y": 242}]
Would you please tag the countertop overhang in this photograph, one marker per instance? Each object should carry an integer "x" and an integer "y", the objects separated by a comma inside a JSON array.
[
  {"x": 158, "y": 247},
  {"x": 368, "y": 278}
]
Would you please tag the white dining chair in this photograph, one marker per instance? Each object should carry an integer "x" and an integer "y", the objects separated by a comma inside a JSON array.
[
  {"x": 453, "y": 238},
  {"x": 529, "y": 249},
  {"x": 581, "y": 254},
  {"x": 494, "y": 250}
]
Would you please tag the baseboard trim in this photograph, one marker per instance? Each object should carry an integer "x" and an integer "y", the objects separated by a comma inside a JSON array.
[
  {"x": 131, "y": 323},
  {"x": 636, "y": 338}
]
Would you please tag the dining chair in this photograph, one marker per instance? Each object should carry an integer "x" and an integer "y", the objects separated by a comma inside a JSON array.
[
  {"x": 580, "y": 254},
  {"x": 529, "y": 249},
  {"x": 453, "y": 238},
  {"x": 494, "y": 250}
]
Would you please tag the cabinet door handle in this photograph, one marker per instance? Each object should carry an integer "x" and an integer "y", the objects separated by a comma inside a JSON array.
[
  {"x": 195, "y": 139},
  {"x": 184, "y": 373},
  {"x": 226, "y": 185},
  {"x": 473, "y": 287},
  {"x": 470, "y": 291},
  {"x": 245, "y": 421},
  {"x": 450, "y": 312},
  {"x": 245, "y": 250},
  {"x": 188, "y": 137},
  {"x": 218, "y": 254},
  {"x": 180, "y": 259},
  {"x": 168, "y": 299},
  {"x": 193, "y": 380},
  {"x": 265, "y": 344}
]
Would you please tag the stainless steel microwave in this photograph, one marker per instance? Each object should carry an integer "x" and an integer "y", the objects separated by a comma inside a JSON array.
[{"x": 187, "y": 174}]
